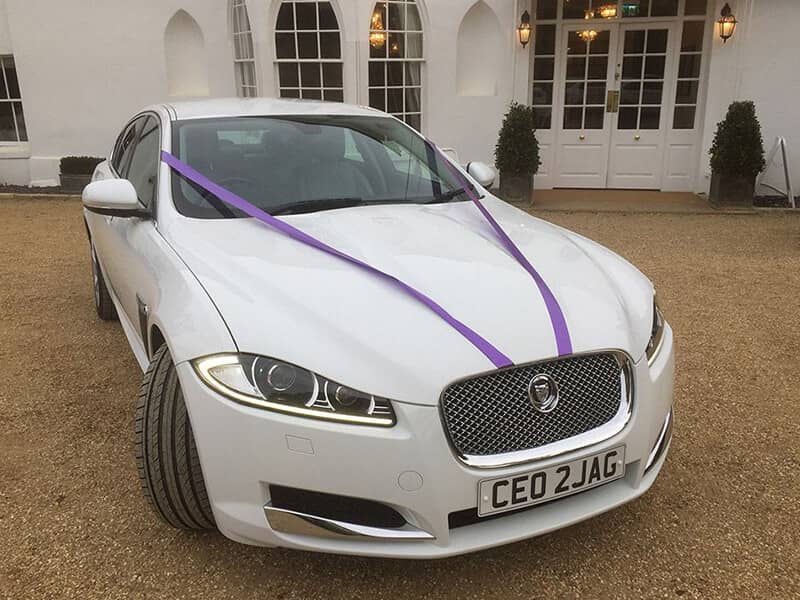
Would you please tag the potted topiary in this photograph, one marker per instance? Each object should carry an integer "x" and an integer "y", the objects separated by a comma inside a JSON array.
[
  {"x": 76, "y": 171},
  {"x": 517, "y": 154},
  {"x": 737, "y": 156}
]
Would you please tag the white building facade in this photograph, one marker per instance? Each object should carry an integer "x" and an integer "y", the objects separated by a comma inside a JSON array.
[{"x": 627, "y": 93}]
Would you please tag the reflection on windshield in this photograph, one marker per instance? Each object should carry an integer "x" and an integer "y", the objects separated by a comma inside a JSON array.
[{"x": 293, "y": 164}]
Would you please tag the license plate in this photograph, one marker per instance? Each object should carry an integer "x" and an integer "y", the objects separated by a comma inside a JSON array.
[{"x": 510, "y": 493}]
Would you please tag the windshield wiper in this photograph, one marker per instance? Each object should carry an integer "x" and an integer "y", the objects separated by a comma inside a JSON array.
[
  {"x": 307, "y": 206},
  {"x": 446, "y": 197}
]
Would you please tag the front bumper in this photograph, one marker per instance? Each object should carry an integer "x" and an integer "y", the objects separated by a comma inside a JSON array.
[{"x": 410, "y": 468}]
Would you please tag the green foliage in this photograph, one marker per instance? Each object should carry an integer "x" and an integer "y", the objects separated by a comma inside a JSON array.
[
  {"x": 738, "y": 148},
  {"x": 79, "y": 165},
  {"x": 517, "y": 150}
]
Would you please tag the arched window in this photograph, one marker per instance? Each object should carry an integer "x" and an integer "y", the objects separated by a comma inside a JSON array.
[
  {"x": 395, "y": 60},
  {"x": 244, "y": 60},
  {"x": 308, "y": 51}
]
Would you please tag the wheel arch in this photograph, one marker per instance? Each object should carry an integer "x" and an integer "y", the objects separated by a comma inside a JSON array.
[{"x": 157, "y": 339}]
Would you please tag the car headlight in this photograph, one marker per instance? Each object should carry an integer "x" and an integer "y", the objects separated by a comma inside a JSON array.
[
  {"x": 656, "y": 333},
  {"x": 272, "y": 384}
]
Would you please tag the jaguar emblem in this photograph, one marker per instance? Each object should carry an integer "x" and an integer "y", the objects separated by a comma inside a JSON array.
[{"x": 543, "y": 393}]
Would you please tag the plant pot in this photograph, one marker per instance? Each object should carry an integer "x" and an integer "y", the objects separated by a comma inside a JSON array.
[
  {"x": 75, "y": 182},
  {"x": 517, "y": 189},
  {"x": 732, "y": 190}
]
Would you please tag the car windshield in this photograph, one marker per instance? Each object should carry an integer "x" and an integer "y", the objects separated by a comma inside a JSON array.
[{"x": 300, "y": 164}]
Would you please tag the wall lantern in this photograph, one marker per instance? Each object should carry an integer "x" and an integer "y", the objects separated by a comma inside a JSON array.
[
  {"x": 524, "y": 29},
  {"x": 727, "y": 23},
  {"x": 377, "y": 34}
]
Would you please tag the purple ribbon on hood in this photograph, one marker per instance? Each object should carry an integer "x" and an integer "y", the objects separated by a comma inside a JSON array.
[
  {"x": 497, "y": 358},
  {"x": 560, "y": 329}
]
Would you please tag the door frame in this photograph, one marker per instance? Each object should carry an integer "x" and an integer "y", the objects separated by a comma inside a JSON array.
[
  {"x": 688, "y": 141},
  {"x": 667, "y": 101},
  {"x": 587, "y": 138}
]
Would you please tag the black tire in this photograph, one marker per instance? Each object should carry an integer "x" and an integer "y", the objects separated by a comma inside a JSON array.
[
  {"x": 102, "y": 299},
  {"x": 166, "y": 455}
]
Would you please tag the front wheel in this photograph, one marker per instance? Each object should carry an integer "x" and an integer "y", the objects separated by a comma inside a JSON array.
[{"x": 166, "y": 455}]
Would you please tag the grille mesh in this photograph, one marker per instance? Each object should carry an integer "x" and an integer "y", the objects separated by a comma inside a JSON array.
[{"x": 492, "y": 414}]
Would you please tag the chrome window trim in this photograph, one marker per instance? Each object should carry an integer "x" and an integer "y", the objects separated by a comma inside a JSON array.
[{"x": 583, "y": 440}]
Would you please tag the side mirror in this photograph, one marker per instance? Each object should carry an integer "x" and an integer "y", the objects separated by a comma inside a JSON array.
[
  {"x": 114, "y": 198},
  {"x": 482, "y": 173}
]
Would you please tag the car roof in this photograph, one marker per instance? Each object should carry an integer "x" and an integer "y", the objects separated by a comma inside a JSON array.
[{"x": 236, "y": 107}]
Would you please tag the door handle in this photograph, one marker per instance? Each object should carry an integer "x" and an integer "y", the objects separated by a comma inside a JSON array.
[
  {"x": 612, "y": 101},
  {"x": 581, "y": 137},
  {"x": 637, "y": 137}
]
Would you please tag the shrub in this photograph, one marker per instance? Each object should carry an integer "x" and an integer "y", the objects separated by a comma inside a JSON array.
[
  {"x": 79, "y": 165},
  {"x": 517, "y": 150},
  {"x": 738, "y": 148}
]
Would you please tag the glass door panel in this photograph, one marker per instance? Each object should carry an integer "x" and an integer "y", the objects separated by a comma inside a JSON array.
[
  {"x": 584, "y": 125},
  {"x": 585, "y": 80},
  {"x": 644, "y": 60},
  {"x": 644, "y": 55}
]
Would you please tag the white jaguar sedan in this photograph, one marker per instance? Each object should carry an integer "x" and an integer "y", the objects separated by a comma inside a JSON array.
[{"x": 351, "y": 346}]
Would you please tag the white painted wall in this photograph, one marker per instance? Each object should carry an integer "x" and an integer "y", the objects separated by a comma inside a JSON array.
[
  {"x": 759, "y": 63},
  {"x": 86, "y": 65}
]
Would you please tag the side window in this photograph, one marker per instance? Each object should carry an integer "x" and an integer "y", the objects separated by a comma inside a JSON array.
[
  {"x": 143, "y": 168},
  {"x": 124, "y": 146}
]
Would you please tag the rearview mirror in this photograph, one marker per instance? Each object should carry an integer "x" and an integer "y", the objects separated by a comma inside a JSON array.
[
  {"x": 482, "y": 173},
  {"x": 113, "y": 197}
]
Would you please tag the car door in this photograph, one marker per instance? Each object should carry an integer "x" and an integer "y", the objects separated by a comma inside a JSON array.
[
  {"x": 131, "y": 240},
  {"x": 101, "y": 225}
]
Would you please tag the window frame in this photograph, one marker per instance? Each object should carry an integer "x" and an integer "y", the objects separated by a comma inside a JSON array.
[
  {"x": 668, "y": 104},
  {"x": 298, "y": 62},
  {"x": 133, "y": 122},
  {"x": 121, "y": 171},
  {"x": 139, "y": 137},
  {"x": 12, "y": 101},
  {"x": 385, "y": 61},
  {"x": 248, "y": 38}
]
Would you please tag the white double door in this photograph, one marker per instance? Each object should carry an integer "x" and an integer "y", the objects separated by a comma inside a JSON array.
[{"x": 615, "y": 96}]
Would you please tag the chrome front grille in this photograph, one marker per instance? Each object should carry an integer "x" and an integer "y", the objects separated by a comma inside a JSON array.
[{"x": 491, "y": 420}]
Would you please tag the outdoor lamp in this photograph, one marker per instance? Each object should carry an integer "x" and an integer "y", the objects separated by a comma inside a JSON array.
[
  {"x": 727, "y": 23},
  {"x": 524, "y": 29}
]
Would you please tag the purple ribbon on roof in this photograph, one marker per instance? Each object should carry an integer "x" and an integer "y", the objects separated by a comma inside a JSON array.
[{"x": 497, "y": 358}]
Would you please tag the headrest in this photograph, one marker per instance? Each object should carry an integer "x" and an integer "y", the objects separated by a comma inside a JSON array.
[
  {"x": 201, "y": 147},
  {"x": 327, "y": 143}
]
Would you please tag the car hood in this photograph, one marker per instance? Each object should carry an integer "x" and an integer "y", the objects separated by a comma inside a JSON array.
[{"x": 284, "y": 299}]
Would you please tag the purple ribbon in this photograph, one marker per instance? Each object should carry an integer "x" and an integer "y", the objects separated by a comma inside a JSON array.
[
  {"x": 559, "y": 323},
  {"x": 498, "y": 359}
]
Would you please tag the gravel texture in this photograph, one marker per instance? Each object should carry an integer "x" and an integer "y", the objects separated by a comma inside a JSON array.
[{"x": 722, "y": 521}]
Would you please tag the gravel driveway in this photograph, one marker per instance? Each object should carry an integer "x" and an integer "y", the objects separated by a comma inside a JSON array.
[{"x": 722, "y": 521}]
